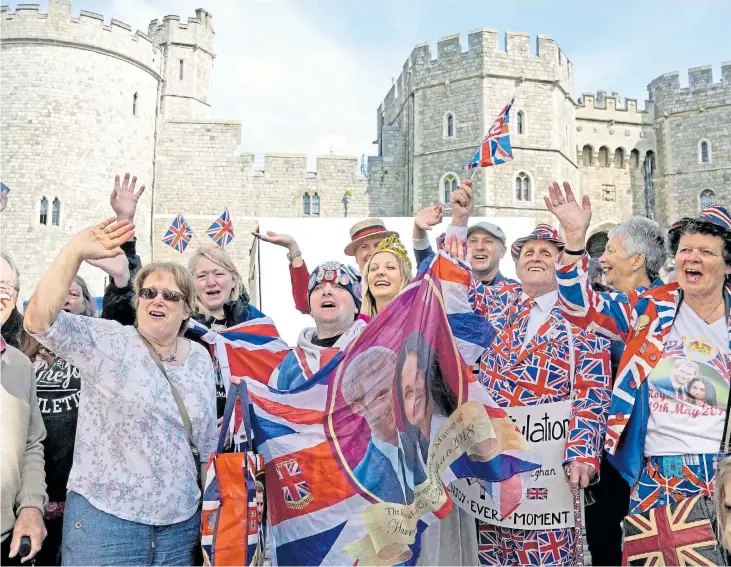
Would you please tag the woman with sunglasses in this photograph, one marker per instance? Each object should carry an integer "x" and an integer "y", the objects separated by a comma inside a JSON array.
[{"x": 133, "y": 495}]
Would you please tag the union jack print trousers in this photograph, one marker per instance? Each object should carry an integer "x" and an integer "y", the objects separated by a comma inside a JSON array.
[
  {"x": 673, "y": 478},
  {"x": 508, "y": 546}
]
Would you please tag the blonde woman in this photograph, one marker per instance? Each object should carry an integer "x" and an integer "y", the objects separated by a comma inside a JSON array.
[
  {"x": 221, "y": 300},
  {"x": 386, "y": 273}
]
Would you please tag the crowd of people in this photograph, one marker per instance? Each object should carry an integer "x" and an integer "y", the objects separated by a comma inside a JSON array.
[{"x": 108, "y": 420}]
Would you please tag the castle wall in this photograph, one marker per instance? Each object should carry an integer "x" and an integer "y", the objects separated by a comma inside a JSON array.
[
  {"x": 200, "y": 173},
  {"x": 68, "y": 127},
  {"x": 616, "y": 189},
  {"x": 682, "y": 118}
]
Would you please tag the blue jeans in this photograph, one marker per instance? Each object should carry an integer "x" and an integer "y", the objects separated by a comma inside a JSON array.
[{"x": 93, "y": 537}]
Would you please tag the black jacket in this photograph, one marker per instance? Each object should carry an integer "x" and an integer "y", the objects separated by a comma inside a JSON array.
[{"x": 119, "y": 301}]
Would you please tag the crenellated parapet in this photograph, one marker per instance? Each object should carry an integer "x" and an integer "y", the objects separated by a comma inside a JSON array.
[
  {"x": 609, "y": 107},
  {"x": 482, "y": 58},
  {"x": 294, "y": 167},
  {"x": 700, "y": 94},
  {"x": 28, "y": 25},
  {"x": 196, "y": 32}
]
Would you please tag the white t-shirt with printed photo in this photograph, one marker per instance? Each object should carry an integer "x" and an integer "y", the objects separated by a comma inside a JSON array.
[{"x": 689, "y": 388}]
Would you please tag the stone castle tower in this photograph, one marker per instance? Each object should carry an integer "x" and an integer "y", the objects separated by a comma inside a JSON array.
[
  {"x": 84, "y": 100},
  {"x": 438, "y": 111}
]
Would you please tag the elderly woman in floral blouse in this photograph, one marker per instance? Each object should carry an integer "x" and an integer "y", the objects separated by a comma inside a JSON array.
[{"x": 133, "y": 495}]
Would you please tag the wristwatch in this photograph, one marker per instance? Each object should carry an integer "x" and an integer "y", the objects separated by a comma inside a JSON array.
[{"x": 292, "y": 255}]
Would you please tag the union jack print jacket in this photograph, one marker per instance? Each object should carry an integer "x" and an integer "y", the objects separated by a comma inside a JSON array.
[
  {"x": 540, "y": 372},
  {"x": 641, "y": 319}
]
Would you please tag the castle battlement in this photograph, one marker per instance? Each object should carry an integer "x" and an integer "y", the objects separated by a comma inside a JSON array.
[
  {"x": 87, "y": 31},
  {"x": 701, "y": 92},
  {"x": 482, "y": 57},
  {"x": 601, "y": 106},
  {"x": 294, "y": 166},
  {"x": 197, "y": 32}
]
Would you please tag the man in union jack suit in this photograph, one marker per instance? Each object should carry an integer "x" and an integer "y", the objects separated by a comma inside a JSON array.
[{"x": 529, "y": 363}]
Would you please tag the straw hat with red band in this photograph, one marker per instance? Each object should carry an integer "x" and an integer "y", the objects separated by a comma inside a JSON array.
[
  {"x": 363, "y": 230},
  {"x": 712, "y": 214},
  {"x": 541, "y": 232}
]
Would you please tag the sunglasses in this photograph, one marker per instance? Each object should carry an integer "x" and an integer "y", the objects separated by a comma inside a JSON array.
[{"x": 167, "y": 295}]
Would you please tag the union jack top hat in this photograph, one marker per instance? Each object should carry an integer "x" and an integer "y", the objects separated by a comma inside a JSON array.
[
  {"x": 541, "y": 232},
  {"x": 712, "y": 214},
  {"x": 365, "y": 229}
]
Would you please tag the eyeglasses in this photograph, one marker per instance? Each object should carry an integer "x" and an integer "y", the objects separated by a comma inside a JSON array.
[{"x": 167, "y": 295}]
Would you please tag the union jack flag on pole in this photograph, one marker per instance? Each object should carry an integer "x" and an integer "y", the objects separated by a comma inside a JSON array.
[
  {"x": 495, "y": 148},
  {"x": 222, "y": 231},
  {"x": 178, "y": 235}
]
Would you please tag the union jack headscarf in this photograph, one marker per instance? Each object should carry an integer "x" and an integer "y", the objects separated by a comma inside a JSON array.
[
  {"x": 712, "y": 214},
  {"x": 337, "y": 274}
]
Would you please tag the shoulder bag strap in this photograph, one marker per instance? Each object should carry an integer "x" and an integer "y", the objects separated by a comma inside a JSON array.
[
  {"x": 241, "y": 392},
  {"x": 176, "y": 396}
]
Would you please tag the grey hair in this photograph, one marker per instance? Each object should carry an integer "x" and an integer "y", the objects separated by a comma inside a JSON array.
[
  {"x": 641, "y": 235},
  {"x": 9, "y": 259}
]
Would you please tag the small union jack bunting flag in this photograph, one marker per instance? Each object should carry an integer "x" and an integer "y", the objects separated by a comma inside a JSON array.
[
  {"x": 178, "y": 235},
  {"x": 222, "y": 231}
]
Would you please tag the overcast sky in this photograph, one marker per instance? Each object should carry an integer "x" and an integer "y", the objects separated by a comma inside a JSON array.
[{"x": 306, "y": 76}]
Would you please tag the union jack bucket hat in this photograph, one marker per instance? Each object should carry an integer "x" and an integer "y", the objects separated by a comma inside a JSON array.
[{"x": 541, "y": 232}]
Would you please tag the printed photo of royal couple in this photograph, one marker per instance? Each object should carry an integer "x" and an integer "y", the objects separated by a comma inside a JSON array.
[
  {"x": 395, "y": 394},
  {"x": 688, "y": 381}
]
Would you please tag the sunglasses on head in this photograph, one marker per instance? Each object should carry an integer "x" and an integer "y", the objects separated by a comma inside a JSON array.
[{"x": 167, "y": 295}]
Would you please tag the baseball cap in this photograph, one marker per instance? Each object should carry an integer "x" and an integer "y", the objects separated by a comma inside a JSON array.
[{"x": 488, "y": 227}]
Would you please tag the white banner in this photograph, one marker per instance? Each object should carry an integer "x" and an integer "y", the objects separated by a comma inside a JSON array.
[{"x": 548, "y": 503}]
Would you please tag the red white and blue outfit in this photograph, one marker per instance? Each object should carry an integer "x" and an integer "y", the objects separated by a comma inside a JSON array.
[
  {"x": 519, "y": 370},
  {"x": 648, "y": 322}
]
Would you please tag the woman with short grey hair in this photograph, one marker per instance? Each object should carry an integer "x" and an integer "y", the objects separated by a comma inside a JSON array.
[{"x": 634, "y": 255}]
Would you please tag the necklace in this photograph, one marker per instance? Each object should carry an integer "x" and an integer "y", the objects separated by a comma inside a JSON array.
[
  {"x": 705, "y": 319},
  {"x": 170, "y": 358}
]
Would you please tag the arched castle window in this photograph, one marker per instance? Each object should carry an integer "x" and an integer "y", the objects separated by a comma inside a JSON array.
[
  {"x": 316, "y": 205},
  {"x": 449, "y": 129},
  {"x": 586, "y": 155},
  {"x": 619, "y": 158},
  {"x": 448, "y": 183},
  {"x": 134, "y": 105},
  {"x": 306, "y": 204},
  {"x": 634, "y": 159},
  {"x": 522, "y": 187},
  {"x": 44, "y": 211},
  {"x": 704, "y": 151},
  {"x": 520, "y": 122},
  {"x": 603, "y": 157},
  {"x": 708, "y": 197},
  {"x": 55, "y": 212}
]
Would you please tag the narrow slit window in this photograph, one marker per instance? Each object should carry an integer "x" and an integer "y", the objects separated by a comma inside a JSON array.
[
  {"x": 134, "y": 105},
  {"x": 181, "y": 70},
  {"x": 44, "y": 211},
  {"x": 56, "y": 212}
]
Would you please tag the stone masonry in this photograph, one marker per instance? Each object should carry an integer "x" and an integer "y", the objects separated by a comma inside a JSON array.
[{"x": 84, "y": 100}]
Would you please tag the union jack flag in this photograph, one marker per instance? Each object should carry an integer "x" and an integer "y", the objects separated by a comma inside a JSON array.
[
  {"x": 536, "y": 494},
  {"x": 495, "y": 148},
  {"x": 677, "y": 534},
  {"x": 222, "y": 231},
  {"x": 178, "y": 235}
]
